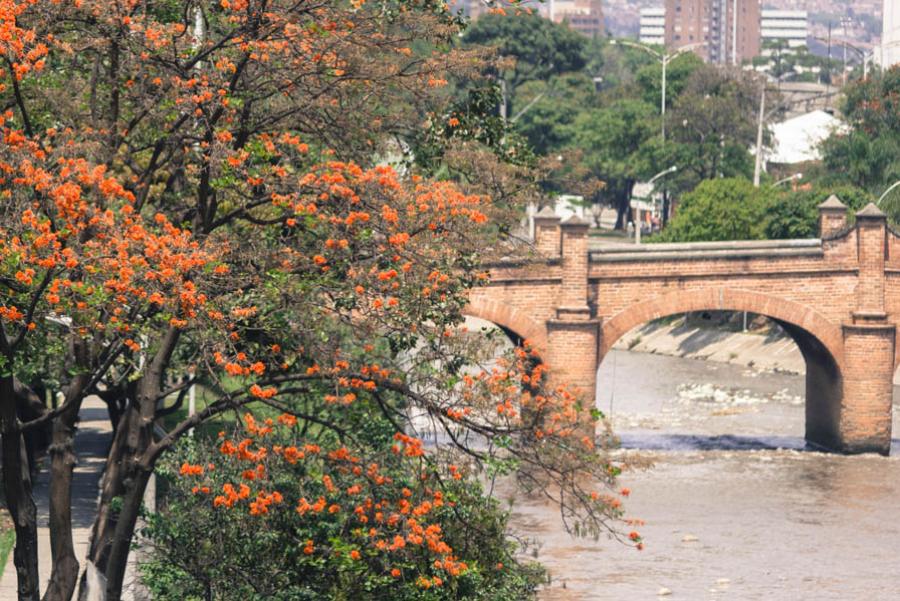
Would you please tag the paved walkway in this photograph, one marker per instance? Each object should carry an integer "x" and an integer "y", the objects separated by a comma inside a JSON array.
[{"x": 91, "y": 443}]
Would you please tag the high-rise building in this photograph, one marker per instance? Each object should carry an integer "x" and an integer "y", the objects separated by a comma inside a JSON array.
[
  {"x": 724, "y": 31},
  {"x": 653, "y": 26},
  {"x": 784, "y": 25},
  {"x": 584, "y": 16},
  {"x": 890, "y": 34}
]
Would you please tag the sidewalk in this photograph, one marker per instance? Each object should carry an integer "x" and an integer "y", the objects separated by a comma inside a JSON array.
[{"x": 91, "y": 442}]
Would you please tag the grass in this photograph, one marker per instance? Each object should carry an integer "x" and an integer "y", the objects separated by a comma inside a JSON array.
[
  {"x": 210, "y": 427},
  {"x": 7, "y": 540},
  {"x": 222, "y": 421}
]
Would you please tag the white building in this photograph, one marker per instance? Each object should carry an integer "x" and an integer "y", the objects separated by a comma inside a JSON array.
[
  {"x": 785, "y": 25},
  {"x": 653, "y": 26},
  {"x": 798, "y": 139},
  {"x": 890, "y": 35}
]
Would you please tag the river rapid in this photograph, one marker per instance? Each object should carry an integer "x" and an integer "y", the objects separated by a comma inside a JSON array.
[{"x": 735, "y": 506}]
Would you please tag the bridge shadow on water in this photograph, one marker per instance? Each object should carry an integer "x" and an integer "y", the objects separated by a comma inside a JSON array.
[
  {"x": 702, "y": 442},
  {"x": 652, "y": 441}
]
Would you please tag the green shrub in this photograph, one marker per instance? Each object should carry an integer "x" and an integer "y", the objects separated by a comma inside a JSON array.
[{"x": 201, "y": 548}]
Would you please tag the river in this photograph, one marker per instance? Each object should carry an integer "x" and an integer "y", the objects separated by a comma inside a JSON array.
[{"x": 735, "y": 507}]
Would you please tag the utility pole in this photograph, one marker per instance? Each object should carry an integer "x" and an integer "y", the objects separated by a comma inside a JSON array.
[
  {"x": 662, "y": 108},
  {"x": 759, "y": 135}
]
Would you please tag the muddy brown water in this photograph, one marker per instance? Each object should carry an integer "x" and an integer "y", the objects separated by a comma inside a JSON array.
[{"x": 735, "y": 506}]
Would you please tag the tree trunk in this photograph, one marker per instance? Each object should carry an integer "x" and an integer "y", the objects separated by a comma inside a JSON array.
[
  {"x": 665, "y": 208},
  {"x": 62, "y": 462},
  {"x": 19, "y": 499},
  {"x": 623, "y": 205},
  {"x": 111, "y": 486},
  {"x": 117, "y": 561},
  {"x": 127, "y": 473}
]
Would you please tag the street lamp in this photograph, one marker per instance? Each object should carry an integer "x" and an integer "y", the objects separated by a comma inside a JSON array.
[
  {"x": 671, "y": 169},
  {"x": 865, "y": 56},
  {"x": 886, "y": 192},
  {"x": 649, "y": 185},
  {"x": 665, "y": 59},
  {"x": 787, "y": 179}
]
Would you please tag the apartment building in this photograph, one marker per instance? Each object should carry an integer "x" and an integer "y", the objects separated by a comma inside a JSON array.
[
  {"x": 653, "y": 26},
  {"x": 789, "y": 26},
  {"x": 723, "y": 31},
  {"x": 583, "y": 16},
  {"x": 890, "y": 34}
]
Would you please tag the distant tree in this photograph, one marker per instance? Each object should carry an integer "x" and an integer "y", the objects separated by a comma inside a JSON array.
[
  {"x": 618, "y": 64},
  {"x": 539, "y": 47},
  {"x": 868, "y": 155},
  {"x": 795, "y": 214},
  {"x": 678, "y": 73},
  {"x": 548, "y": 109},
  {"x": 712, "y": 125},
  {"x": 612, "y": 139},
  {"x": 720, "y": 209}
]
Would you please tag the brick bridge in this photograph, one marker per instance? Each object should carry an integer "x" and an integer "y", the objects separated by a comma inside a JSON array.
[{"x": 838, "y": 296}]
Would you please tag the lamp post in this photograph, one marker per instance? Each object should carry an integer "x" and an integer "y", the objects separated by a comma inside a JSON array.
[
  {"x": 787, "y": 179},
  {"x": 665, "y": 59},
  {"x": 864, "y": 55},
  {"x": 637, "y": 225},
  {"x": 886, "y": 192}
]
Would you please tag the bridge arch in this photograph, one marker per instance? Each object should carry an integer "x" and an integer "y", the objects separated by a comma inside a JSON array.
[
  {"x": 513, "y": 320},
  {"x": 820, "y": 342},
  {"x": 796, "y": 316}
]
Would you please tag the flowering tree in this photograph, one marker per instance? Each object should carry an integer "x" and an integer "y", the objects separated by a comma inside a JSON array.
[{"x": 189, "y": 189}]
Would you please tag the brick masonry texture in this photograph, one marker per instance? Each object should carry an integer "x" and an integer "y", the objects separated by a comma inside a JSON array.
[{"x": 839, "y": 297}]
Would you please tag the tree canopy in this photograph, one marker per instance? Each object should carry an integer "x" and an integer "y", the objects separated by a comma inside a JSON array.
[
  {"x": 866, "y": 155},
  {"x": 732, "y": 209},
  {"x": 539, "y": 47}
]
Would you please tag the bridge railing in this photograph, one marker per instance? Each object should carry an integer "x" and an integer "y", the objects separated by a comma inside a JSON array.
[{"x": 739, "y": 249}]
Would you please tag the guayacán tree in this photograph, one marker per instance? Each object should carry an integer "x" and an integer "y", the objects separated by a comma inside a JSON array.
[
  {"x": 190, "y": 197},
  {"x": 372, "y": 519}
]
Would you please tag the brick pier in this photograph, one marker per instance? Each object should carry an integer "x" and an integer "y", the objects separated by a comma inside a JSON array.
[{"x": 838, "y": 296}]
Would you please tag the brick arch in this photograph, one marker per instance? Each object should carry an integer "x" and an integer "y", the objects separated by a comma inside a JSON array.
[
  {"x": 509, "y": 318},
  {"x": 725, "y": 299}
]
